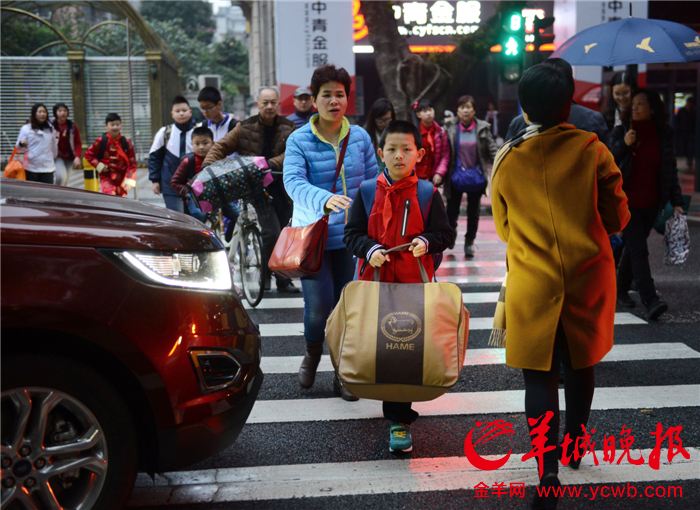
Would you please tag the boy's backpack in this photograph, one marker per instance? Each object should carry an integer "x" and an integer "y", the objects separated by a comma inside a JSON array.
[
  {"x": 191, "y": 168},
  {"x": 425, "y": 201},
  {"x": 103, "y": 146}
]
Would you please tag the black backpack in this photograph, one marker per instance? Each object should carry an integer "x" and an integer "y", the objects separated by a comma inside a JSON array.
[{"x": 190, "y": 165}]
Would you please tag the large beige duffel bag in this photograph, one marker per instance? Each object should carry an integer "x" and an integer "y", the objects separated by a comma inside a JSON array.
[{"x": 398, "y": 342}]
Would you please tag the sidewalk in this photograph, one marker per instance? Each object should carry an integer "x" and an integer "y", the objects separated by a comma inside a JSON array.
[{"x": 144, "y": 186}]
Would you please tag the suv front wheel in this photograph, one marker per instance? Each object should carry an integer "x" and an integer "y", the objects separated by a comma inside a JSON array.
[{"x": 68, "y": 439}]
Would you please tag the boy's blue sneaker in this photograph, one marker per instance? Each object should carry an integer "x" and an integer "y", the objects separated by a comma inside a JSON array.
[{"x": 400, "y": 438}]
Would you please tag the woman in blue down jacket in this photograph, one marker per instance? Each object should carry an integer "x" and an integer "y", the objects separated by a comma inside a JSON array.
[{"x": 310, "y": 164}]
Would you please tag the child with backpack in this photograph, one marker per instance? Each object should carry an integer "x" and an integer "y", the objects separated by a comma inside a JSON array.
[
  {"x": 113, "y": 157},
  {"x": 191, "y": 165},
  {"x": 170, "y": 144},
  {"x": 394, "y": 209}
]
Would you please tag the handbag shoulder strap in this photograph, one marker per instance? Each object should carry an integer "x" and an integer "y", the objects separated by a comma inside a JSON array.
[{"x": 340, "y": 160}]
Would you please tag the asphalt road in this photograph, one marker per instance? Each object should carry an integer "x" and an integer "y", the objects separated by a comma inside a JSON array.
[{"x": 283, "y": 460}]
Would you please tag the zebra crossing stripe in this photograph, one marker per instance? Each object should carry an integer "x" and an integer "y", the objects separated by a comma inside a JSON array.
[
  {"x": 473, "y": 357},
  {"x": 461, "y": 404},
  {"x": 475, "y": 324},
  {"x": 288, "y": 303},
  {"x": 399, "y": 476}
]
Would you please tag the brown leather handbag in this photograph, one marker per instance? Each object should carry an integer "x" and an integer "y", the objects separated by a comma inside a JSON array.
[{"x": 299, "y": 250}]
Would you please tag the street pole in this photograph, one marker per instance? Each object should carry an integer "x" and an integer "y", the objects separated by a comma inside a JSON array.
[{"x": 131, "y": 104}]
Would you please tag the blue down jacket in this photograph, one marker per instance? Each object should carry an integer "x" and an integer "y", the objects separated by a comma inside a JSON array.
[{"x": 309, "y": 167}]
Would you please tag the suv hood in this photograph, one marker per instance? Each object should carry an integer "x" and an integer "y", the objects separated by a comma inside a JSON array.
[{"x": 40, "y": 214}]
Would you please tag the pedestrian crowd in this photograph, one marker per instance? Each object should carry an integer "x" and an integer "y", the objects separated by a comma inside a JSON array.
[{"x": 566, "y": 186}]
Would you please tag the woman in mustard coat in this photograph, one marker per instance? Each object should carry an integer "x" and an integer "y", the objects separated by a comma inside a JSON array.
[{"x": 557, "y": 196}]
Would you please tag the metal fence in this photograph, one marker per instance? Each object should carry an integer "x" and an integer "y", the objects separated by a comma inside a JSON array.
[
  {"x": 28, "y": 80},
  {"x": 23, "y": 82}
]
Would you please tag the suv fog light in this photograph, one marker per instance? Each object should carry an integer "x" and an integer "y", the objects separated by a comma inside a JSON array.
[{"x": 216, "y": 370}]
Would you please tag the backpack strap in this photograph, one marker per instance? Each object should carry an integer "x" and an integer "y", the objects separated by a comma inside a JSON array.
[
  {"x": 425, "y": 199},
  {"x": 124, "y": 143},
  {"x": 190, "y": 165},
  {"x": 368, "y": 189},
  {"x": 103, "y": 147},
  {"x": 166, "y": 135},
  {"x": 232, "y": 124}
]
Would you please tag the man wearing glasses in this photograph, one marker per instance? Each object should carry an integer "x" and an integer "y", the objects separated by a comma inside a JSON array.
[{"x": 264, "y": 134}]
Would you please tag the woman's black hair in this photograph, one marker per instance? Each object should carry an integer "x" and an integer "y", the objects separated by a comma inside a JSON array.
[
  {"x": 620, "y": 78},
  {"x": 466, "y": 99},
  {"x": 35, "y": 123},
  {"x": 659, "y": 116},
  {"x": 403, "y": 127},
  {"x": 328, "y": 73},
  {"x": 546, "y": 93},
  {"x": 378, "y": 109},
  {"x": 421, "y": 105},
  {"x": 69, "y": 122}
]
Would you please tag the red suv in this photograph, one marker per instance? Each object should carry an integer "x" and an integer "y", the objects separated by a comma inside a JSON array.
[{"x": 124, "y": 345}]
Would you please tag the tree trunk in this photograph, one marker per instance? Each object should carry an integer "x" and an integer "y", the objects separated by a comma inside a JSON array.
[{"x": 406, "y": 77}]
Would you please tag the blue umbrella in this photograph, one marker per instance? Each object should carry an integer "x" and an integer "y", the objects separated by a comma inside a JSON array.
[{"x": 631, "y": 41}]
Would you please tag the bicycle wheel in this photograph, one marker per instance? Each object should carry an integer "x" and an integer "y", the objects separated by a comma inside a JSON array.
[{"x": 252, "y": 261}]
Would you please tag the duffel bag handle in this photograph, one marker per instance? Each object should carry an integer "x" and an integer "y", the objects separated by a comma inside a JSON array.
[{"x": 402, "y": 247}]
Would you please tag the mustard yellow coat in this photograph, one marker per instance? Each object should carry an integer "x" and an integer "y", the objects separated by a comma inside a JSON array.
[{"x": 556, "y": 198}]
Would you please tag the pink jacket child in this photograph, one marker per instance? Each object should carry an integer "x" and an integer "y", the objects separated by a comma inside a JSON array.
[{"x": 437, "y": 150}]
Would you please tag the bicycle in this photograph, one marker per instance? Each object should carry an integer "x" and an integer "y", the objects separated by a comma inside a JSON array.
[
  {"x": 245, "y": 249},
  {"x": 246, "y": 240},
  {"x": 247, "y": 243}
]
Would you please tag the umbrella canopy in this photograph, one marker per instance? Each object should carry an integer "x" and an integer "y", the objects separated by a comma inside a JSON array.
[{"x": 631, "y": 41}]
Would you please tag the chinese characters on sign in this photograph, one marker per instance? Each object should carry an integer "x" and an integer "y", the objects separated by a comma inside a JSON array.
[
  {"x": 438, "y": 18},
  {"x": 582, "y": 446},
  {"x": 319, "y": 56},
  {"x": 516, "y": 489},
  {"x": 309, "y": 34}
]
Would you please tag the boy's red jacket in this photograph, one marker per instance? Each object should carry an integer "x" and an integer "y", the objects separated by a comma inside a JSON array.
[
  {"x": 181, "y": 175},
  {"x": 384, "y": 229},
  {"x": 121, "y": 170}
]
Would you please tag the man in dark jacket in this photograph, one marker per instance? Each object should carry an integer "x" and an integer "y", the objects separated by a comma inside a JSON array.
[
  {"x": 264, "y": 135},
  {"x": 580, "y": 116},
  {"x": 302, "y": 104}
]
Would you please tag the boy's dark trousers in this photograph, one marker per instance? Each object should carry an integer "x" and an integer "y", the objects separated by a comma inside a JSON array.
[{"x": 400, "y": 412}]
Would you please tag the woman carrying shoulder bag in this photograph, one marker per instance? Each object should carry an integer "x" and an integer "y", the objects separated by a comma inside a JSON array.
[
  {"x": 644, "y": 151},
  {"x": 310, "y": 166},
  {"x": 472, "y": 149},
  {"x": 37, "y": 140}
]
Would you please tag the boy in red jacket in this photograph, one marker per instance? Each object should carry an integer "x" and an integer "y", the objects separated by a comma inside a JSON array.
[
  {"x": 397, "y": 217},
  {"x": 113, "y": 157},
  {"x": 191, "y": 164}
]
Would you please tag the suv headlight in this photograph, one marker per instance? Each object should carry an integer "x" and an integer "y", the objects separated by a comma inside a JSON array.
[{"x": 206, "y": 270}]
